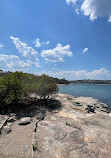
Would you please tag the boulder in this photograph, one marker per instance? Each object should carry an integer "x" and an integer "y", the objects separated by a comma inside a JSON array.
[{"x": 25, "y": 121}]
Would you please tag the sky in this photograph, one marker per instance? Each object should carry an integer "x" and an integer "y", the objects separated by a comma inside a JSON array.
[{"x": 62, "y": 38}]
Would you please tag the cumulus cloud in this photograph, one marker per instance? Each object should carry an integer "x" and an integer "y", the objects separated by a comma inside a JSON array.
[
  {"x": 38, "y": 43},
  {"x": 85, "y": 50},
  {"x": 81, "y": 74},
  {"x": 94, "y": 8},
  {"x": 57, "y": 54},
  {"x": 27, "y": 52},
  {"x": 12, "y": 62}
]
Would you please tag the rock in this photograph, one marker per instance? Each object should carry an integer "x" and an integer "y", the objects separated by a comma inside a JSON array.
[
  {"x": 90, "y": 108},
  {"x": 101, "y": 107},
  {"x": 53, "y": 118},
  {"x": 25, "y": 121},
  {"x": 40, "y": 116},
  {"x": 11, "y": 119}
]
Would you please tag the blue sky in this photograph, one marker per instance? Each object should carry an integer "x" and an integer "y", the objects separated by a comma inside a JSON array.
[{"x": 62, "y": 38}]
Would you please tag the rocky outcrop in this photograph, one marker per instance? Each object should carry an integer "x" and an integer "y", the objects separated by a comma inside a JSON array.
[
  {"x": 67, "y": 132},
  {"x": 74, "y": 133}
]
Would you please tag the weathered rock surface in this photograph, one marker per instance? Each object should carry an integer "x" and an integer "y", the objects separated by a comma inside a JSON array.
[
  {"x": 69, "y": 132},
  {"x": 72, "y": 133}
]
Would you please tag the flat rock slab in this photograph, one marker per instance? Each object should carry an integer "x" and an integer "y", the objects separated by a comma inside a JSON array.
[
  {"x": 18, "y": 143},
  {"x": 58, "y": 139},
  {"x": 86, "y": 100}
]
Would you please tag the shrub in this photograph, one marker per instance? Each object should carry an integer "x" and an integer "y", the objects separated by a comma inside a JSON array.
[
  {"x": 43, "y": 86},
  {"x": 46, "y": 87},
  {"x": 11, "y": 88},
  {"x": 16, "y": 85}
]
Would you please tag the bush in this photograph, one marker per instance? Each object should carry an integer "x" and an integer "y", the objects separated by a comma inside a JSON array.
[
  {"x": 16, "y": 85},
  {"x": 46, "y": 87},
  {"x": 42, "y": 86},
  {"x": 11, "y": 88}
]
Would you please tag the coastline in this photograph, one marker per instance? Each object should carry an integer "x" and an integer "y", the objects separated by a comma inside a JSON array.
[
  {"x": 101, "y": 92},
  {"x": 84, "y": 102}
]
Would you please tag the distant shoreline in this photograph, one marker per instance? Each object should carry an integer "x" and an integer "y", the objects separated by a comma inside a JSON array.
[
  {"x": 86, "y": 83},
  {"x": 90, "y": 81}
]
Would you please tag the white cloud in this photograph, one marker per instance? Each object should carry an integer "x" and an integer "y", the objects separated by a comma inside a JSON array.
[
  {"x": 38, "y": 43},
  {"x": 77, "y": 10},
  {"x": 85, "y": 50},
  {"x": 27, "y": 52},
  {"x": 57, "y": 54},
  {"x": 94, "y": 8},
  {"x": 81, "y": 74},
  {"x": 1, "y": 45},
  {"x": 35, "y": 63},
  {"x": 109, "y": 19},
  {"x": 71, "y": 1},
  {"x": 46, "y": 42},
  {"x": 101, "y": 71},
  {"x": 12, "y": 62}
]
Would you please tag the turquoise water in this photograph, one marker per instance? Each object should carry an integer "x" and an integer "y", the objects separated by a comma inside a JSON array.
[{"x": 101, "y": 92}]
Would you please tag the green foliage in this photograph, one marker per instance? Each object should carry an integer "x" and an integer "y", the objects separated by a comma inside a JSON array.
[
  {"x": 61, "y": 81},
  {"x": 16, "y": 85},
  {"x": 11, "y": 88},
  {"x": 42, "y": 86},
  {"x": 46, "y": 87}
]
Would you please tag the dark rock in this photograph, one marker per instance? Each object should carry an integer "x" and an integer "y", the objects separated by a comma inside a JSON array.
[{"x": 90, "y": 108}]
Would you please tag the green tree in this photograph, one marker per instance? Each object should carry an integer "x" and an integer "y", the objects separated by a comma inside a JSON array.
[{"x": 46, "y": 87}]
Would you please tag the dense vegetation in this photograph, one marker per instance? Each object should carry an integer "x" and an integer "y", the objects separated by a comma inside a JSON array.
[
  {"x": 14, "y": 86},
  {"x": 61, "y": 81},
  {"x": 58, "y": 81}
]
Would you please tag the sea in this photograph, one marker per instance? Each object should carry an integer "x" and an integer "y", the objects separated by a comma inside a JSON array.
[{"x": 99, "y": 91}]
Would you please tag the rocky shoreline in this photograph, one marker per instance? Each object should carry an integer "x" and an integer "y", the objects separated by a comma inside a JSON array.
[{"x": 77, "y": 128}]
